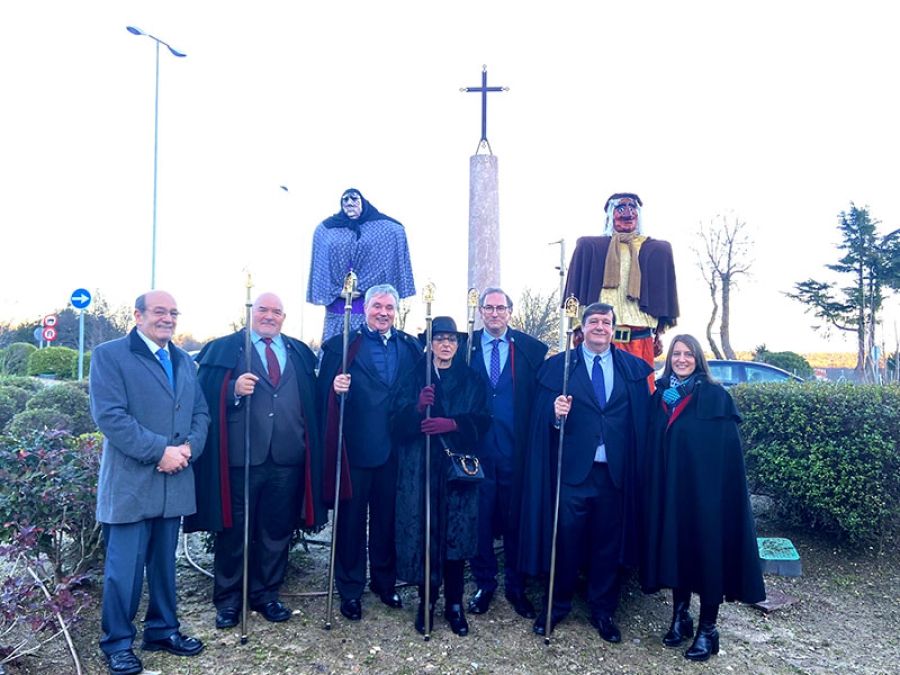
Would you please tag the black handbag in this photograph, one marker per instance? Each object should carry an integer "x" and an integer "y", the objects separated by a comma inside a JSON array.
[{"x": 463, "y": 468}]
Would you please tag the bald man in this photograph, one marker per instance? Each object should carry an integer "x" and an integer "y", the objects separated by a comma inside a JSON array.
[
  {"x": 153, "y": 417},
  {"x": 285, "y": 459}
]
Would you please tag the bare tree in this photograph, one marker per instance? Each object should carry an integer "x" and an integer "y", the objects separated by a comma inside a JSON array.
[
  {"x": 722, "y": 255},
  {"x": 403, "y": 309},
  {"x": 538, "y": 315}
]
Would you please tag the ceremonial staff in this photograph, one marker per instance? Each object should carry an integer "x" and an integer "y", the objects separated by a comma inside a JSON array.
[
  {"x": 472, "y": 301},
  {"x": 348, "y": 292},
  {"x": 428, "y": 296},
  {"x": 248, "y": 345},
  {"x": 571, "y": 313}
]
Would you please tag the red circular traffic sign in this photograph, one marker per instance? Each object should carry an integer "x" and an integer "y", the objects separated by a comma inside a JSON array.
[
  {"x": 49, "y": 333},
  {"x": 50, "y": 320}
]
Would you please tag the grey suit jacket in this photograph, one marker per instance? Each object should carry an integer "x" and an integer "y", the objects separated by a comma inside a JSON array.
[{"x": 139, "y": 415}]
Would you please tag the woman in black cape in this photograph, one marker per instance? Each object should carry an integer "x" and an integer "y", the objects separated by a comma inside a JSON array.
[
  {"x": 700, "y": 534},
  {"x": 459, "y": 417}
]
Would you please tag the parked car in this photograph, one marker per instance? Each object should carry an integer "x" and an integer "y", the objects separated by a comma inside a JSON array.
[{"x": 730, "y": 373}]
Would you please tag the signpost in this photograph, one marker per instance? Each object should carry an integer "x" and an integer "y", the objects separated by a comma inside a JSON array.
[
  {"x": 48, "y": 332},
  {"x": 81, "y": 300}
]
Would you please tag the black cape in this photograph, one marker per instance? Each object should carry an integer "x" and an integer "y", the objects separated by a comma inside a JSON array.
[
  {"x": 700, "y": 534},
  {"x": 217, "y": 361},
  {"x": 539, "y": 486},
  {"x": 461, "y": 395}
]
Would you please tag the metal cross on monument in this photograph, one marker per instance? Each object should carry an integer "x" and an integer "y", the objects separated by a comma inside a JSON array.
[{"x": 484, "y": 89}]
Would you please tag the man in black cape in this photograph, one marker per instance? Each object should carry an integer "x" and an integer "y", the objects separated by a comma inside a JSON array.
[
  {"x": 378, "y": 354},
  {"x": 285, "y": 457},
  {"x": 603, "y": 434},
  {"x": 508, "y": 362}
]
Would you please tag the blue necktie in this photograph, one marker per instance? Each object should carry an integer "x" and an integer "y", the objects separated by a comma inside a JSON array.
[
  {"x": 167, "y": 366},
  {"x": 495, "y": 362},
  {"x": 598, "y": 382}
]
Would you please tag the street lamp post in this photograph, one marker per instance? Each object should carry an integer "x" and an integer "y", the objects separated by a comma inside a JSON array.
[{"x": 175, "y": 52}]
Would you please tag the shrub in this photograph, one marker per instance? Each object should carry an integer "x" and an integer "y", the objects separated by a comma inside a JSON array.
[
  {"x": 38, "y": 420},
  {"x": 827, "y": 454},
  {"x": 8, "y": 408},
  {"x": 19, "y": 395},
  {"x": 789, "y": 361},
  {"x": 14, "y": 359},
  {"x": 49, "y": 481},
  {"x": 32, "y": 601},
  {"x": 29, "y": 384},
  {"x": 85, "y": 367},
  {"x": 56, "y": 361},
  {"x": 70, "y": 399}
]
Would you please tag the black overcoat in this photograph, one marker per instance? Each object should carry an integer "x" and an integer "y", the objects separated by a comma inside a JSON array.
[
  {"x": 699, "y": 525},
  {"x": 461, "y": 395}
]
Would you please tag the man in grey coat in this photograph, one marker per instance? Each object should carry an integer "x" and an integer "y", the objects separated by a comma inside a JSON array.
[{"x": 153, "y": 417}]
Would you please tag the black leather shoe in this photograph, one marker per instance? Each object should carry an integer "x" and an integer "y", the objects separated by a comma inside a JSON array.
[
  {"x": 352, "y": 609},
  {"x": 540, "y": 624},
  {"x": 391, "y": 600},
  {"x": 705, "y": 644},
  {"x": 521, "y": 604},
  {"x": 228, "y": 617},
  {"x": 457, "y": 620},
  {"x": 682, "y": 626},
  {"x": 607, "y": 628},
  {"x": 124, "y": 662},
  {"x": 480, "y": 602},
  {"x": 420, "y": 618},
  {"x": 176, "y": 643},
  {"x": 273, "y": 611}
]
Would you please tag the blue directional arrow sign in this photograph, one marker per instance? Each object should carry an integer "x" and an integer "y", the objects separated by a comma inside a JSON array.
[{"x": 80, "y": 299}]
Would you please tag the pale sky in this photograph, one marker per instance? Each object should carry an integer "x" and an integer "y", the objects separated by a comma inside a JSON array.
[{"x": 782, "y": 112}]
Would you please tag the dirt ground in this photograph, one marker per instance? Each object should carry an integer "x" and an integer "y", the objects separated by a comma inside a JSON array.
[{"x": 846, "y": 620}]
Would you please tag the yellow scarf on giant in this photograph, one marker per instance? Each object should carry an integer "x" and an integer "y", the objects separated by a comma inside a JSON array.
[{"x": 612, "y": 271}]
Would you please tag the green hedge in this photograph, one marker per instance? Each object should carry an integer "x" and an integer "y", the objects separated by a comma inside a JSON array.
[
  {"x": 827, "y": 454},
  {"x": 56, "y": 361},
  {"x": 14, "y": 359},
  {"x": 70, "y": 399}
]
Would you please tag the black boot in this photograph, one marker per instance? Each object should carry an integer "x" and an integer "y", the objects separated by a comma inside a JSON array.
[
  {"x": 705, "y": 644},
  {"x": 682, "y": 626},
  {"x": 457, "y": 619},
  {"x": 420, "y": 617}
]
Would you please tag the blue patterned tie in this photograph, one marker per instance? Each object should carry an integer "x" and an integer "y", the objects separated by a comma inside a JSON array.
[
  {"x": 495, "y": 362},
  {"x": 599, "y": 382},
  {"x": 167, "y": 366}
]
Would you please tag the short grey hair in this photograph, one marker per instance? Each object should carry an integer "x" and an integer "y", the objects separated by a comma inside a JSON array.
[
  {"x": 382, "y": 289},
  {"x": 494, "y": 289}
]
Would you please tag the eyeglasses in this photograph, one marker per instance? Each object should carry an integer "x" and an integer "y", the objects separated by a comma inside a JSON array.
[
  {"x": 452, "y": 339},
  {"x": 160, "y": 312},
  {"x": 349, "y": 199},
  {"x": 620, "y": 208},
  {"x": 490, "y": 309}
]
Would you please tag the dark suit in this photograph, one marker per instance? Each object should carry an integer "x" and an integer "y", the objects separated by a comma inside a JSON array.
[
  {"x": 502, "y": 451},
  {"x": 597, "y": 500},
  {"x": 369, "y": 480},
  {"x": 139, "y": 415},
  {"x": 285, "y": 460}
]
